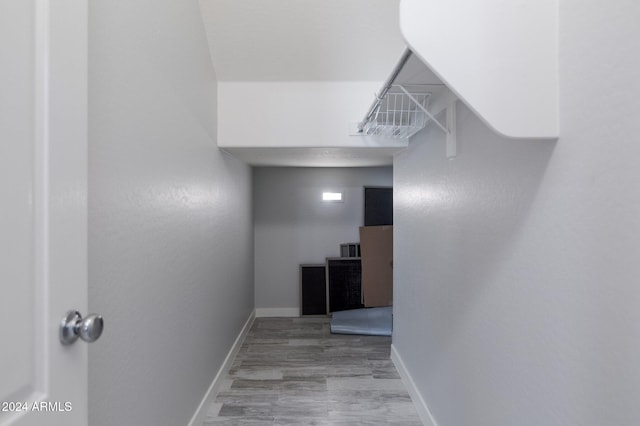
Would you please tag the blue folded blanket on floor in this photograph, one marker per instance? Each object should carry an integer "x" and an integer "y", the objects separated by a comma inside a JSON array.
[{"x": 368, "y": 321}]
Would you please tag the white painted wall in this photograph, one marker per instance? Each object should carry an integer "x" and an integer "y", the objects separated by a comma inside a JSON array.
[
  {"x": 516, "y": 270},
  {"x": 296, "y": 114},
  {"x": 294, "y": 226},
  {"x": 170, "y": 227},
  {"x": 500, "y": 57}
]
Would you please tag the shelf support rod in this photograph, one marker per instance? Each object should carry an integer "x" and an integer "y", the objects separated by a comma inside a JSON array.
[
  {"x": 385, "y": 88},
  {"x": 449, "y": 129},
  {"x": 426, "y": 111}
]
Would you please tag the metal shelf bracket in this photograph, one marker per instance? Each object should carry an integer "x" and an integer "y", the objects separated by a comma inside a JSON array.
[{"x": 449, "y": 127}]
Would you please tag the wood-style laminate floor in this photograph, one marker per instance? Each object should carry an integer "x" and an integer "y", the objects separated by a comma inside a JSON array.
[{"x": 293, "y": 371}]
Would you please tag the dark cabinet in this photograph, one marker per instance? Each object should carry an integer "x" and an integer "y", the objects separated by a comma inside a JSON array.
[
  {"x": 344, "y": 283},
  {"x": 313, "y": 289}
]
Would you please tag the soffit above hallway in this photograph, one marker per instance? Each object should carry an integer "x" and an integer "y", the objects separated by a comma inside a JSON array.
[{"x": 302, "y": 40}]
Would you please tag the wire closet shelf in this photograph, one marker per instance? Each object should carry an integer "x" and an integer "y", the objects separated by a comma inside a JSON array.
[{"x": 399, "y": 114}]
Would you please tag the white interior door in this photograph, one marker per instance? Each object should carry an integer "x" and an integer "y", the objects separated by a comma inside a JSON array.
[{"x": 43, "y": 209}]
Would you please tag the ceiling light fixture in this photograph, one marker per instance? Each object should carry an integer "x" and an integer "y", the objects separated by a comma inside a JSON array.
[{"x": 332, "y": 196}]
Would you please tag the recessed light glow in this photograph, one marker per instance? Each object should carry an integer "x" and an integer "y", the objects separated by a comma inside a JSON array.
[{"x": 332, "y": 196}]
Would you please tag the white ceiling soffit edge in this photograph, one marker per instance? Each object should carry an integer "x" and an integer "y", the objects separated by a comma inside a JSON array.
[
  {"x": 317, "y": 157},
  {"x": 302, "y": 40},
  {"x": 499, "y": 57}
]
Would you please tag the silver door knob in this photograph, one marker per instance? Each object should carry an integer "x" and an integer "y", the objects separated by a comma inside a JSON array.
[{"x": 73, "y": 326}]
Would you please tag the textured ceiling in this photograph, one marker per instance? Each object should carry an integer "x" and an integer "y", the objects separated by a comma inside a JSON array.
[
  {"x": 313, "y": 41},
  {"x": 303, "y": 40}
]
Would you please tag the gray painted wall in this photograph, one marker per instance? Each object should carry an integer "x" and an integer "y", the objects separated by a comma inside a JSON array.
[
  {"x": 170, "y": 226},
  {"x": 293, "y": 225},
  {"x": 517, "y": 264}
]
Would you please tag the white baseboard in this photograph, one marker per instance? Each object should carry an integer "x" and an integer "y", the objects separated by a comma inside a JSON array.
[
  {"x": 277, "y": 312},
  {"x": 421, "y": 406},
  {"x": 201, "y": 412}
]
